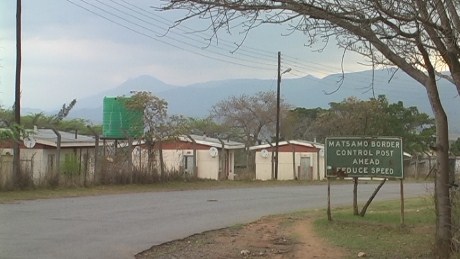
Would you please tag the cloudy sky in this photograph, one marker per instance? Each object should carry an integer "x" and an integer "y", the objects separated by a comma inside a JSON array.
[{"x": 76, "y": 48}]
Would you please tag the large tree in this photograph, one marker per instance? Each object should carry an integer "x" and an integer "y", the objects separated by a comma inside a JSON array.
[
  {"x": 352, "y": 117},
  {"x": 158, "y": 125},
  {"x": 209, "y": 127},
  {"x": 299, "y": 123},
  {"x": 253, "y": 116},
  {"x": 376, "y": 117},
  {"x": 419, "y": 37}
]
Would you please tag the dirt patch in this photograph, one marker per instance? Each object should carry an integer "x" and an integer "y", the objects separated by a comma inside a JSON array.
[{"x": 269, "y": 237}]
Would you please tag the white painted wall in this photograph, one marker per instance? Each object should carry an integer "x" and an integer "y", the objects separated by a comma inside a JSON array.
[
  {"x": 263, "y": 166},
  {"x": 286, "y": 171},
  {"x": 208, "y": 166},
  {"x": 39, "y": 158}
]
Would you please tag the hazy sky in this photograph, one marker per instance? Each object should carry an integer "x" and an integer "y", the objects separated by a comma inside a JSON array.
[{"x": 75, "y": 48}]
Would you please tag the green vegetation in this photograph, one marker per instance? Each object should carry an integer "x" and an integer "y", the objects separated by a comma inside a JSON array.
[
  {"x": 41, "y": 120},
  {"x": 379, "y": 234},
  {"x": 455, "y": 147},
  {"x": 354, "y": 117}
]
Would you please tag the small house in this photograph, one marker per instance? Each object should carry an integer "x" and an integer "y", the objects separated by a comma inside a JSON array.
[
  {"x": 40, "y": 151},
  {"x": 200, "y": 156},
  {"x": 298, "y": 160}
]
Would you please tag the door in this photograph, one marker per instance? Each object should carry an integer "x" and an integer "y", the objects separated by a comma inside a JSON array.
[
  {"x": 306, "y": 170},
  {"x": 50, "y": 163},
  {"x": 189, "y": 165}
]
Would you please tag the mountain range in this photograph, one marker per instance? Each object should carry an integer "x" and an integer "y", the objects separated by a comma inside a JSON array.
[{"x": 195, "y": 100}]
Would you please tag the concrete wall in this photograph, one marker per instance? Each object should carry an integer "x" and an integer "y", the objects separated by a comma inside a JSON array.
[
  {"x": 35, "y": 161},
  {"x": 263, "y": 166},
  {"x": 208, "y": 167},
  {"x": 6, "y": 169},
  {"x": 288, "y": 165}
]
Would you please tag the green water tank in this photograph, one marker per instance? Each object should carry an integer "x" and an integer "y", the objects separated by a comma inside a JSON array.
[{"x": 118, "y": 121}]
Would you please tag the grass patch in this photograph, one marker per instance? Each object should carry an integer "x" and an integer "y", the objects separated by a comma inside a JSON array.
[{"x": 379, "y": 233}]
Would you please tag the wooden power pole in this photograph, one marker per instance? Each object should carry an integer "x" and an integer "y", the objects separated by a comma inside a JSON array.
[{"x": 17, "y": 97}]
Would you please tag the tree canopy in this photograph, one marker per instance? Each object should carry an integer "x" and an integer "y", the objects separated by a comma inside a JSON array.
[
  {"x": 375, "y": 117},
  {"x": 253, "y": 116},
  {"x": 41, "y": 120}
]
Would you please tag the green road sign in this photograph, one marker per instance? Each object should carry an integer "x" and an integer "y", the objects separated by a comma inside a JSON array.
[{"x": 364, "y": 157}]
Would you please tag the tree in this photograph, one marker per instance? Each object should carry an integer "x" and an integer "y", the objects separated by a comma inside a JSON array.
[
  {"x": 41, "y": 120},
  {"x": 417, "y": 36},
  {"x": 417, "y": 129},
  {"x": 9, "y": 130},
  {"x": 455, "y": 147},
  {"x": 158, "y": 125},
  {"x": 209, "y": 127},
  {"x": 64, "y": 111},
  {"x": 6, "y": 117},
  {"x": 298, "y": 123},
  {"x": 376, "y": 117},
  {"x": 253, "y": 117},
  {"x": 351, "y": 117}
]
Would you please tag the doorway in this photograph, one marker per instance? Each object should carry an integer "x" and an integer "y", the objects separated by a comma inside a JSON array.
[{"x": 306, "y": 170}]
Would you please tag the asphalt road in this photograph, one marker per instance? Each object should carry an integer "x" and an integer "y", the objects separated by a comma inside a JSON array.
[{"x": 120, "y": 226}]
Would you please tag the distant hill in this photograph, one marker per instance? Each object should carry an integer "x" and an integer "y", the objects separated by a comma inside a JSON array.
[
  {"x": 310, "y": 92},
  {"x": 141, "y": 83}
]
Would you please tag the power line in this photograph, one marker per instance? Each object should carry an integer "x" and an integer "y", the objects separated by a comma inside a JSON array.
[
  {"x": 185, "y": 46},
  {"x": 151, "y": 25}
]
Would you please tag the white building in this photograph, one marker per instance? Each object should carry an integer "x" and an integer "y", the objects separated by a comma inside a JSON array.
[
  {"x": 298, "y": 159},
  {"x": 200, "y": 156},
  {"x": 39, "y": 154}
]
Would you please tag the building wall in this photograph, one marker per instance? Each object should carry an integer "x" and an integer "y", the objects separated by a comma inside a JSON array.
[
  {"x": 38, "y": 165},
  {"x": 207, "y": 167},
  {"x": 288, "y": 169},
  {"x": 31, "y": 161},
  {"x": 36, "y": 162},
  {"x": 457, "y": 165},
  {"x": 263, "y": 166},
  {"x": 6, "y": 169}
]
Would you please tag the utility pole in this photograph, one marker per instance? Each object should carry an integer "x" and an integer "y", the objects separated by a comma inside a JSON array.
[
  {"x": 277, "y": 137},
  {"x": 278, "y": 100},
  {"x": 17, "y": 98}
]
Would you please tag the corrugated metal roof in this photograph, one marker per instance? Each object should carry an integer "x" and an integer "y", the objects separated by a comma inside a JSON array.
[
  {"x": 68, "y": 139},
  {"x": 295, "y": 142},
  {"x": 213, "y": 142},
  {"x": 49, "y": 138}
]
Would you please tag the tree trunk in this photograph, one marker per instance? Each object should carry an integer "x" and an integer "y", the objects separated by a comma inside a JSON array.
[
  {"x": 150, "y": 157},
  {"x": 162, "y": 168},
  {"x": 369, "y": 201},
  {"x": 443, "y": 235}
]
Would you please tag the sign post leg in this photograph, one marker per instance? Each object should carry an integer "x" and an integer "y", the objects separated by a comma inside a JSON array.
[
  {"x": 329, "y": 217},
  {"x": 402, "y": 201}
]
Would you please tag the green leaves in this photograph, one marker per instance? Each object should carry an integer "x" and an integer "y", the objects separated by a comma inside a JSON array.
[
  {"x": 374, "y": 117},
  {"x": 455, "y": 147}
]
